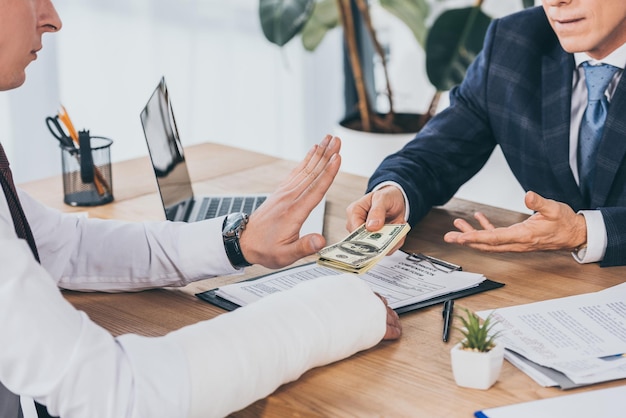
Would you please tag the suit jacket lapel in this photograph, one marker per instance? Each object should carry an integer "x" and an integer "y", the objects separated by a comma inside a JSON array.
[
  {"x": 556, "y": 94},
  {"x": 612, "y": 148}
]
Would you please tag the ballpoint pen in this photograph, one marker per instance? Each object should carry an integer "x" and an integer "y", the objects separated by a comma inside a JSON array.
[{"x": 448, "y": 307}]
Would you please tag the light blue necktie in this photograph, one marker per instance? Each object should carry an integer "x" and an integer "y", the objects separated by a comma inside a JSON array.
[{"x": 597, "y": 78}]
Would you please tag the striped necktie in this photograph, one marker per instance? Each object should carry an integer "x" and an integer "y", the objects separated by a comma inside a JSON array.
[
  {"x": 22, "y": 229},
  {"x": 9, "y": 402},
  {"x": 597, "y": 78}
]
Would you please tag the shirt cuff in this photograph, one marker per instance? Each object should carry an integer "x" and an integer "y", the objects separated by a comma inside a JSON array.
[
  {"x": 406, "y": 199},
  {"x": 596, "y": 238},
  {"x": 201, "y": 250}
]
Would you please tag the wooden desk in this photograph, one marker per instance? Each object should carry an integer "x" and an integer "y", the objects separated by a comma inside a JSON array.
[{"x": 409, "y": 377}]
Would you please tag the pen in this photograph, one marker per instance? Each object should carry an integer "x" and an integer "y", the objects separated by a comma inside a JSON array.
[{"x": 448, "y": 307}]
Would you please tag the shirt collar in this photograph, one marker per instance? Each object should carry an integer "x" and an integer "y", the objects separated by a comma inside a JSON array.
[{"x": 616, "y": 58}]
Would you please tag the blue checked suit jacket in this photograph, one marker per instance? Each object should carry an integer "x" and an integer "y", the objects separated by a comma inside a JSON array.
[{"x": 516, "y": 94}]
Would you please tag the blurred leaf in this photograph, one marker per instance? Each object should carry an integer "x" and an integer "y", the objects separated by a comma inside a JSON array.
[
  {"x": 528, "y": 3},
  {"x": 413, "y": 13},
  {"x": 281, "y": 20},
  {"x": 325, "y": 17},
  {"x": 453, "y": 42}
]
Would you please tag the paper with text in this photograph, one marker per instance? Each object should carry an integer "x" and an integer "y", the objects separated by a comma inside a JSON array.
[
  {"x": 401, "y": 281},
  {"x": 582, "y": 336}
]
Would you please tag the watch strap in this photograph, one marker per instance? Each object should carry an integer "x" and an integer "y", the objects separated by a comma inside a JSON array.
[{"x": 231, "y": 242}]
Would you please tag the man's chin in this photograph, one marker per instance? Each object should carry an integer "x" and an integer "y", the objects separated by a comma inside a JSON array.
[
  {"x": 572, "y": 45},
  {"x": 576, "y": 44},
  {"x": 13, "y": 82}
]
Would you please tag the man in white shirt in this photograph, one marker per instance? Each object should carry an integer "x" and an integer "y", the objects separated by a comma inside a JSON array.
[
  {"x": 56, "y": 355},
  {"x": 527, "y": 93}
]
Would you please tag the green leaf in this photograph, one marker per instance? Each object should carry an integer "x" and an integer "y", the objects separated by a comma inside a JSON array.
[
  {"x": 324, "y": 18},
  {"x": 476, "y": 336},
  {"x": 528, "y": 3},
  {"x": 453, "y": 42},
  {"x": 281, "y": 20},
  {"x": 413, "y": 13}
]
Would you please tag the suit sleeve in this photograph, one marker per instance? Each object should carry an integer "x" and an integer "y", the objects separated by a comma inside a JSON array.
[{"x": 450, "y": 149}]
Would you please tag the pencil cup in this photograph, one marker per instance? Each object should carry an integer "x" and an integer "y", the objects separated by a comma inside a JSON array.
[{"x": 87, "y": 171}]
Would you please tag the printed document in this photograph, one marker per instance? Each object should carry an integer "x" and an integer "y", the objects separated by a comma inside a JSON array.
[
  {"x": 402, "y": 281},
  {"x": 583, "y": 336}
]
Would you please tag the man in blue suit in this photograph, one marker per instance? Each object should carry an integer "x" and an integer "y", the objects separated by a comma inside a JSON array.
[{"x": 527, "y": 93}]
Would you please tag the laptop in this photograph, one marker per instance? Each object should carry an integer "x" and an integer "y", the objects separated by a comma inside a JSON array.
[{"x": 172, "y": 176}]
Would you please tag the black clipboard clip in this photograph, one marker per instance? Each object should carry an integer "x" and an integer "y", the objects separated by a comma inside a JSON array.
[{"x": 440, "y": 265}]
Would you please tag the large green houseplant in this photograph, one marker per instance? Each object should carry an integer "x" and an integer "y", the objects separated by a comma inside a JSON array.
[{"x": 451, "y": 43}]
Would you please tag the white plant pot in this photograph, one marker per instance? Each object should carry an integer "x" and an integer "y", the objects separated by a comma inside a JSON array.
[
  {"x": 362, "y": 152},
  {"x": 476, "y": 370}
]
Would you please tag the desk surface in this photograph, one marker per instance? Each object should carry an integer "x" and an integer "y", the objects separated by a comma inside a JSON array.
[{"x": 409, "y": 377}]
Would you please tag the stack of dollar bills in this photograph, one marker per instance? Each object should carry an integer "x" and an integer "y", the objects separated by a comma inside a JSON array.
[{"x": 362, "y": 249}]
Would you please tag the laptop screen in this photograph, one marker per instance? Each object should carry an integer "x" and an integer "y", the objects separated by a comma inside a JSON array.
[{"x": 166, "y": 151}]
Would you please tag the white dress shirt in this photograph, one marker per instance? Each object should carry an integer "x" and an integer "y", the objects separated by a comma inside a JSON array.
[
  {"x": 55, "y": 354},
  {"x": 596, "y": 229}
]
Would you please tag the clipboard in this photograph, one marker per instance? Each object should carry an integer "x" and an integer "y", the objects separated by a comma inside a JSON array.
[{"x": 211, "y": 297}]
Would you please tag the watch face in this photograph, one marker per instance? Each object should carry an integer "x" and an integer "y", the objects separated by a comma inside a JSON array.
[{"x": 234, "y": 223}]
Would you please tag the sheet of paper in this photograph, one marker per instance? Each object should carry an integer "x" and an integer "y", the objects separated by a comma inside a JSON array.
[
  {"x": 533, "y": 370},
  {"x": 581, "y": 336},
  {"x": 606, "y": 403},
  {"x": 403, "y": 282},
  {"x": 399, "y": 280}
]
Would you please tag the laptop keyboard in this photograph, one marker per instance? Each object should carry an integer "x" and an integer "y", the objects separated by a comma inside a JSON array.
[{"x": 219, "y": 206}]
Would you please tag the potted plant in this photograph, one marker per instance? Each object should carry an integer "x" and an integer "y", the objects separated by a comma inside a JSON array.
[
  {"x": 455, "y": 40},
  {"x": 450, "y": 44},
  {"x": 477, "y": 359}
]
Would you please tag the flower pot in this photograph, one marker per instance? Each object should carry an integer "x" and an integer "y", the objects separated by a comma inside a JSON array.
[{"x": 472, "y": 369}]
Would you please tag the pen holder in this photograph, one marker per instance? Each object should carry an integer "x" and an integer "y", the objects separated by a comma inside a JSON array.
[{"x": 87, "y": 171}]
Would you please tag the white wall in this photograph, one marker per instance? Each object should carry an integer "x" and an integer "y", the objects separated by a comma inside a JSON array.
[{"x": 228, "y": 84}]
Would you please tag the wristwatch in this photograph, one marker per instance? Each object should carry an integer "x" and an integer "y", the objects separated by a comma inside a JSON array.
[{"x": 231, "y": 231}]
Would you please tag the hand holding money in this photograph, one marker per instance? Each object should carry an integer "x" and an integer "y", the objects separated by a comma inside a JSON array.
[{"x": 362, "y": 249}]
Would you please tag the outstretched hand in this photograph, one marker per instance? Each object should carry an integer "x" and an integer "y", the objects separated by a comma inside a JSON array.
[
  {"x": 553, "y": 226},
  {"x": 375, "y": 209},
  {"x": 272, "y": 236}
]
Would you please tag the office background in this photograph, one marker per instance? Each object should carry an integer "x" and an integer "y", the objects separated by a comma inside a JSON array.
[{"x": 228, "y": 84}]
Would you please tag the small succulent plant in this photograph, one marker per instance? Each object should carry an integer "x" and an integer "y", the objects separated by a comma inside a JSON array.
[{"x": 477, "y": 336}]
